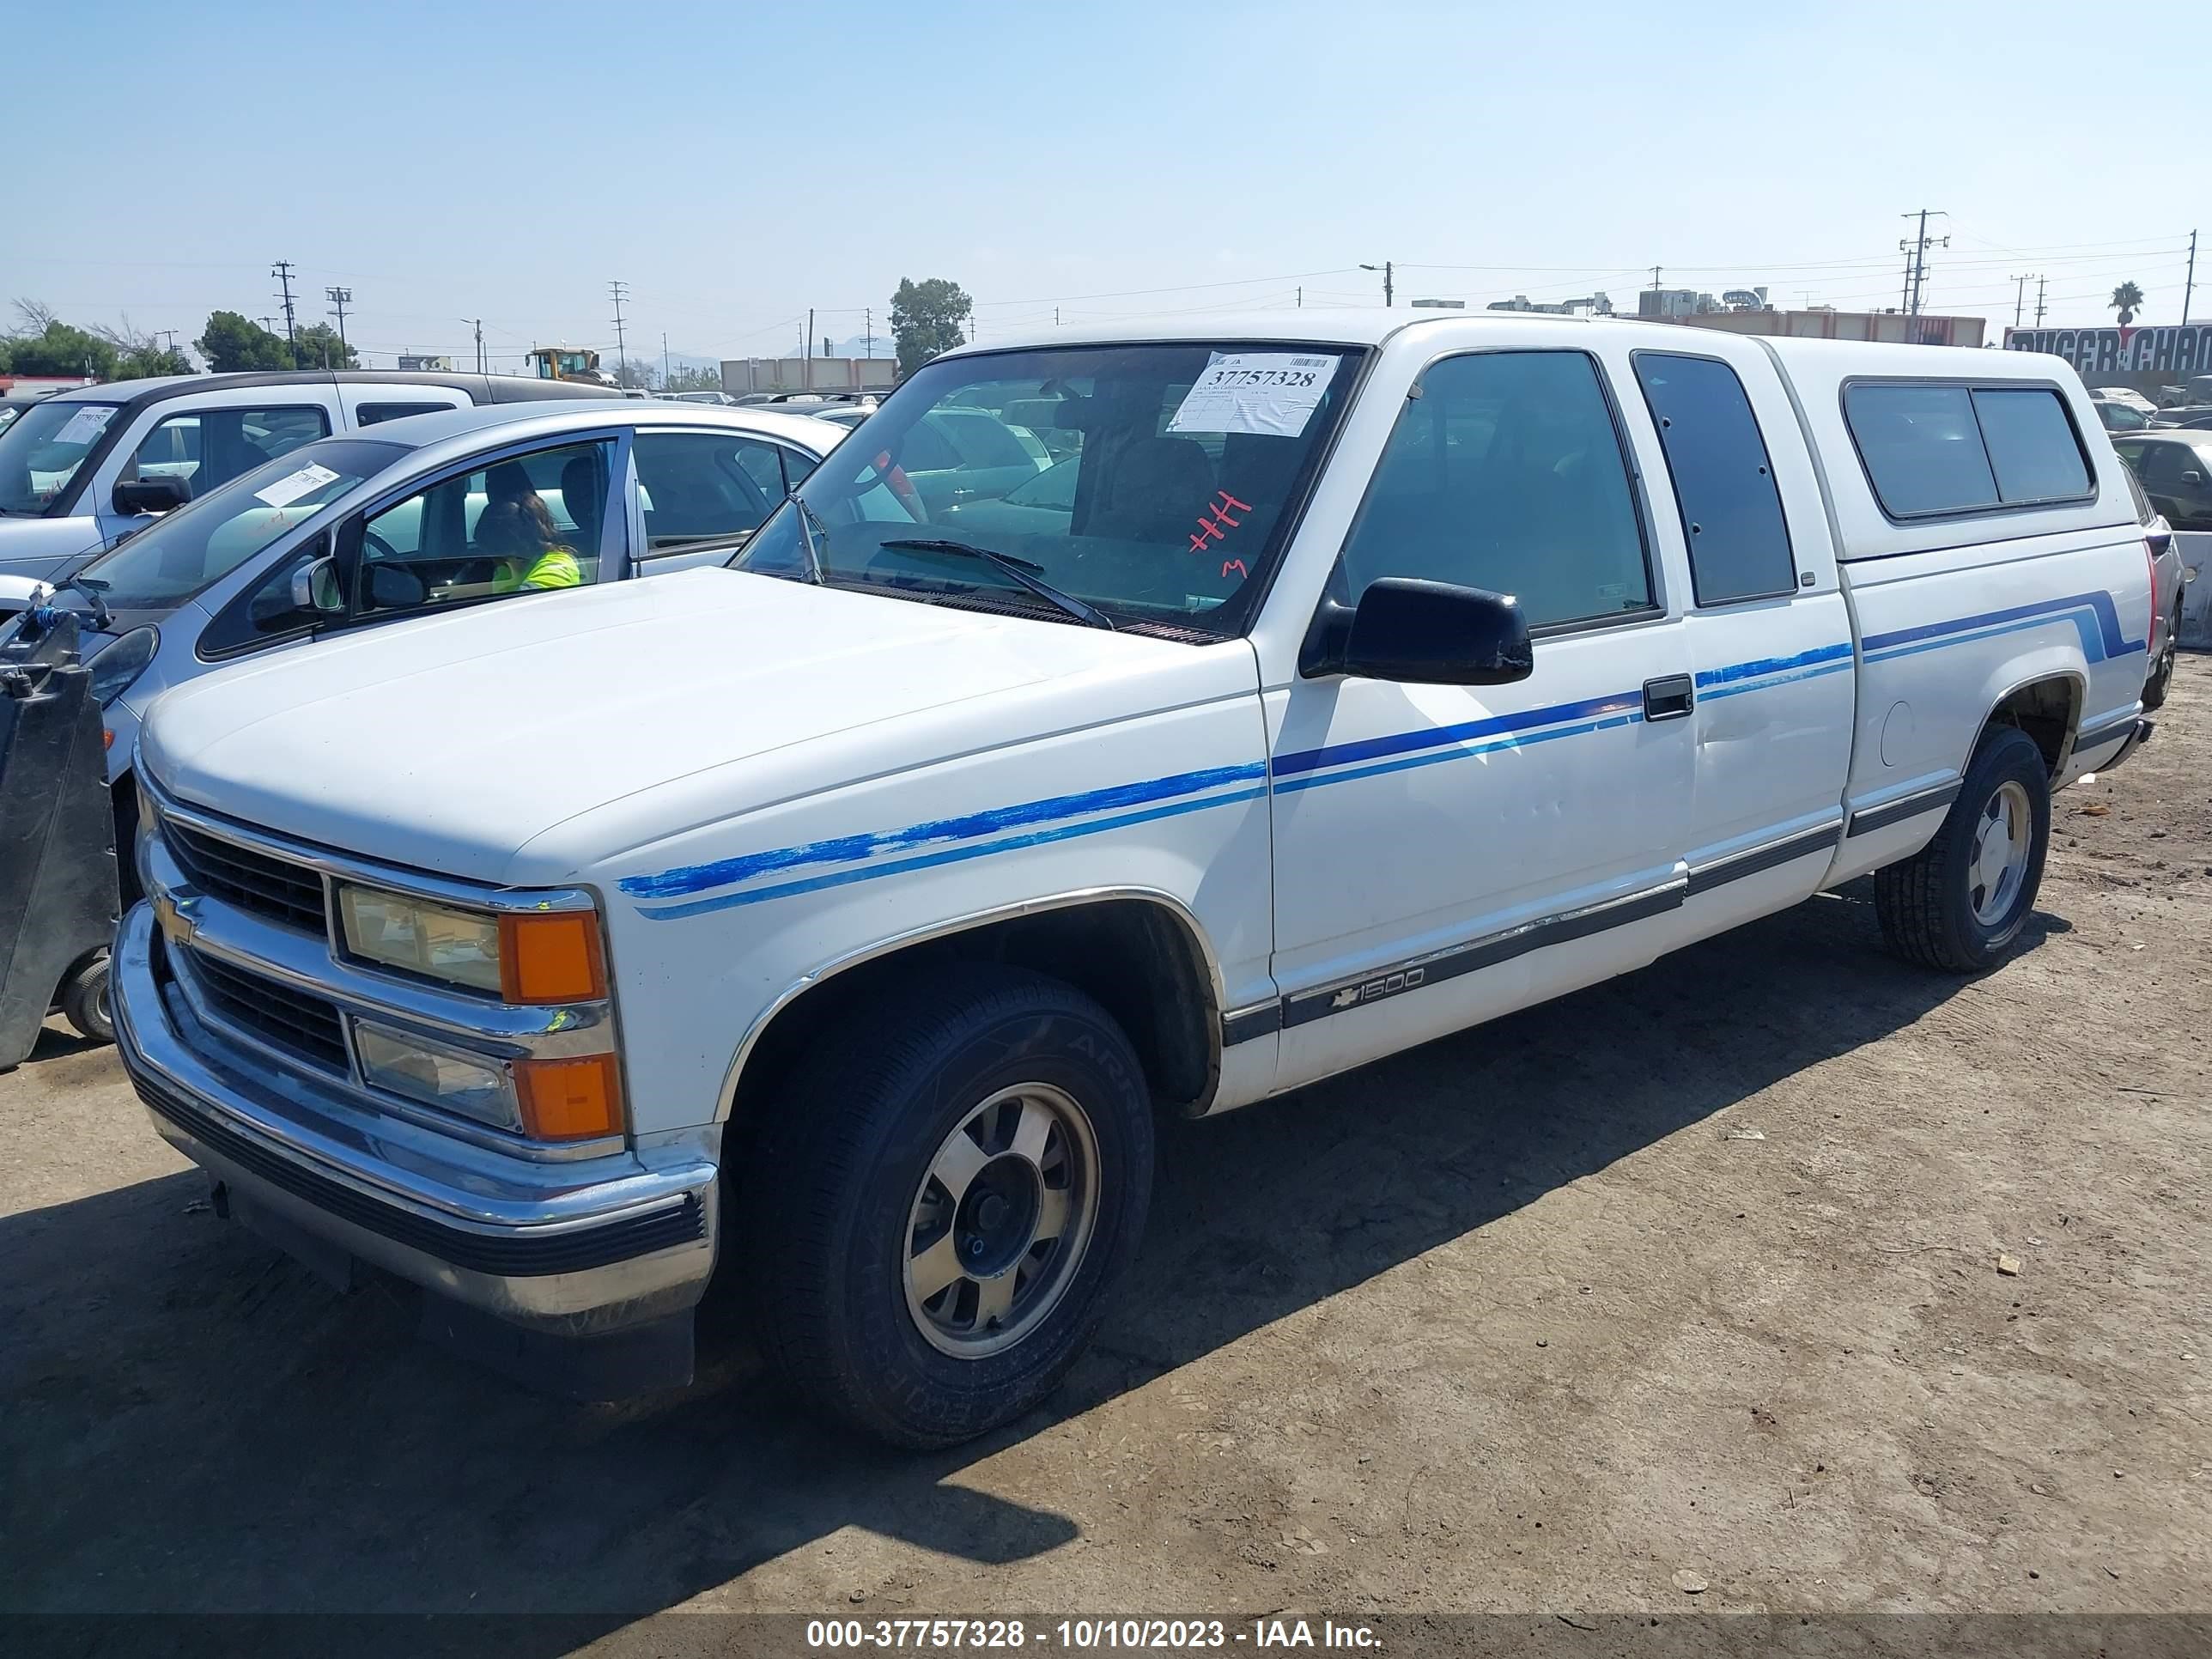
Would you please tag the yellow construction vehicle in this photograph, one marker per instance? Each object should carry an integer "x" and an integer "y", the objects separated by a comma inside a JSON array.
[{"x": 568, "y": 363}]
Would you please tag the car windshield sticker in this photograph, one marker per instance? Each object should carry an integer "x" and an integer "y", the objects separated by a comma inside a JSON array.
[
  {"x": 293, "y": 485},
  {"x": 1271, "y": 392},
  {"x": 85, "y": 425}
]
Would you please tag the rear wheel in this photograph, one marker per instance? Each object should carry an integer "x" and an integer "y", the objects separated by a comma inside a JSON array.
[
  {"x": 1962, "y": 902},
  {"x": 937, "y": 1209},
  {"x": 2162, "y": 678}
]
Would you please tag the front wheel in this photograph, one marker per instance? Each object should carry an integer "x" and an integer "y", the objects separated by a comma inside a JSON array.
[
  {"x": 84, "y": 1001},
  {"x": 1961, "y": 902},
  {"x": 938, "y": 1208}
]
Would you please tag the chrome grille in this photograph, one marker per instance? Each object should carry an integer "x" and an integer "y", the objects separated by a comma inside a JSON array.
[
  {"x": 272, "y": 887},
  {"x": 295, "y": 1021}
]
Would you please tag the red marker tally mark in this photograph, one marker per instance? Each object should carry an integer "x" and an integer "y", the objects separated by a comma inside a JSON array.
[{"x": 1212, "y": 522}]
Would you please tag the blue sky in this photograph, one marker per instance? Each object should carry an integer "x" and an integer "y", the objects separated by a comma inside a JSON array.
[{"x": 735, "y": 163}]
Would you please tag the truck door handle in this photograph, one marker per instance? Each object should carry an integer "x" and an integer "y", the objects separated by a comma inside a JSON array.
[{"x": 1669, "y": 699}]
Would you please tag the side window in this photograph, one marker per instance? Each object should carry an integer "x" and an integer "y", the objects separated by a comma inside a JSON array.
[
  {"x": 2031, "y": 446},
  {"x": 214, "y": 446},
  {"x": 1507, "y": 473},
  {"x": 1723, "y": 478},
  {"x": 523, "y": 524},
  {"x": 796, "y": 467},
  {"x": 1921, "y": 448},
  {"x": 371, "y": 414},
  {"x": 1930, "y": 449},
  {"x": 701, "y": 487}
]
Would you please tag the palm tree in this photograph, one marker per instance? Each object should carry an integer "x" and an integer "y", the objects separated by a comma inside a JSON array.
[{"x": 2127, "y": 298}]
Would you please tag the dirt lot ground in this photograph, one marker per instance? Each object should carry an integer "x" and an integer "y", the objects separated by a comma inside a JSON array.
[{"x": 1697, "y": 1273}]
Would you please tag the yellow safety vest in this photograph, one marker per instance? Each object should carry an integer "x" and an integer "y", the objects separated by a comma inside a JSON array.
[{"x": 555, "y": 567}]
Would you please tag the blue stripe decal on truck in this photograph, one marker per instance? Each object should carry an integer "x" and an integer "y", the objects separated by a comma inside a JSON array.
[
  {"x": 845, "y": 850},
  {"x": 2101, "y": 643},
  {"x": 2092, "y": 615}
]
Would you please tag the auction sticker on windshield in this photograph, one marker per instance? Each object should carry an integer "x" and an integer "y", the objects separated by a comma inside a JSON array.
[
  {"x": 293, "y": 485},
  {"x": 86, "y": 424},
  {"x": 1271, "y": 392}
]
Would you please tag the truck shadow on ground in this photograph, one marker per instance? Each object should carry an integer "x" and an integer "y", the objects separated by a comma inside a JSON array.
[{"x": 192, "y": 1423}]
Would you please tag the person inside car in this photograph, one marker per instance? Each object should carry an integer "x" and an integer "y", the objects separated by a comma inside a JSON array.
[{"x": 516, "y": 528}]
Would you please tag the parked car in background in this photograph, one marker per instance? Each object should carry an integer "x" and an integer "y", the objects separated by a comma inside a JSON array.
[
  {"x": 2123, "y": 417},
  {"x": 2189, "y": 416},
  {"x": 2169, "y": 580},
  {"x": 2175, "y": 470},
  {"x": 83, "y": 469},
  {"x": 12, "y": 406},
  {"x": 2127, "y": 396},
  {"x": 425, "y": 516},
  {"x": 721, "y": 398},
  {"x": 845, "y": 918}
]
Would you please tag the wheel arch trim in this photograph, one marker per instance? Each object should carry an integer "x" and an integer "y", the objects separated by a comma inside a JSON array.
[{"x": 1075, "y": 898}]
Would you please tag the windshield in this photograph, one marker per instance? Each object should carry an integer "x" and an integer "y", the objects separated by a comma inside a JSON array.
[
  {"x": 168, "y": 562},
  {"x": 1152, "y": 482},
  {"x": 41, "y": 450}
]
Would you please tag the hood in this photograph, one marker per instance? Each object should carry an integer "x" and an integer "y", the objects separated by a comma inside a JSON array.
[
  {"x": 46, "y": 550},
  {"x": 519, "y": 742}
]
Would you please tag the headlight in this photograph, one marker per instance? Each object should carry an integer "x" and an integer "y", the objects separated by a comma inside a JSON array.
[
  {"x": 533, "y": 957},
  {"x": 114, "y": 669},
  {"x": 435, "y": 940},
  {"x": 436, "y": 1076}
]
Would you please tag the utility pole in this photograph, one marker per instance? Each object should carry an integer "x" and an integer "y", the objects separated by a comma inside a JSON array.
[
  {"x": 282, "y": 270},
  {"x": 477, "y": 323},
  {"x": 2019, "y": 299},
  {"x": 340, "y": 298},
  {"x": 1387, "y": 268},
  {"x": 808, "y": 350},
  {"x": 621, "y": 356},
  {"x": 2039, "y": 281},
  {"x": 868, "y": 325},
  {"x": 2189, "y": 282},
  {"x": 1918, "y": 249},
  {"x": 170, "y": 335},
  {"x": 1654, "y": 279},
  {"x": 1301, "y": 297},
  {"x": 663, "y": 360}
]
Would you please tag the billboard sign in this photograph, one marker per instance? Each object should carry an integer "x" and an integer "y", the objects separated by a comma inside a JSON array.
[{"x": 2176, "y": 351}]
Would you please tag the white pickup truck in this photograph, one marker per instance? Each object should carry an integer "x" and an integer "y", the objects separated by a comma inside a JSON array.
[{"x": 840, "y": 918}]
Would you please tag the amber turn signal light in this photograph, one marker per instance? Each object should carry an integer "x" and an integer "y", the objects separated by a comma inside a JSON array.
[
  {"x": 551, "y": 956},
  {"x": 568, "y": 1099}
]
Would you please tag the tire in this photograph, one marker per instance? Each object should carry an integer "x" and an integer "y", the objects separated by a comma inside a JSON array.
[
  {"x": 1944, "y": 909},
  {"x": 850, "y": 1169},
  {"x": 2155, "y": 687},
  {"x": 84, "y": 1001}
]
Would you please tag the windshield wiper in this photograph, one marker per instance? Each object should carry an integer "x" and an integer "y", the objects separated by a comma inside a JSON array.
[
  {"x": 92, "y": 587},
  {"x": 809, "y": 522},
  {"x": 1019, "y": 571}
]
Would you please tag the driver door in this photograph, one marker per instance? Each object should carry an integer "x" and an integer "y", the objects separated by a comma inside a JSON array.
[{"x": 1445, "y": 853}]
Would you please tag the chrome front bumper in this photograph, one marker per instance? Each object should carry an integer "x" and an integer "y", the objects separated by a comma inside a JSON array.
[{"x": 571, "y": 1249}]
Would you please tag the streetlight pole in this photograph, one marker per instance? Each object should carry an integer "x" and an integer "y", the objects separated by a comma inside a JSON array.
[{"x": 1388, "y": 268}]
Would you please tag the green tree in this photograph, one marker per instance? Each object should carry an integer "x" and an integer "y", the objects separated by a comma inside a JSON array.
[
  {"x": 231, "y": 343},
  {"x": 707, "y": 377},
  {"x": 925, "y": 318},
  {"x": 318, "y": 345},
  {"x": 46, "y": 345},
  {"x": 2127, "y": 300}
]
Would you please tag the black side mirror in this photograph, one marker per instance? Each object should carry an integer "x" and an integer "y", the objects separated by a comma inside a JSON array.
[
  {"x": 1421, "y": 633},
  {"x": 392, "y": 588},
  {"x": 163, "y": 493}
]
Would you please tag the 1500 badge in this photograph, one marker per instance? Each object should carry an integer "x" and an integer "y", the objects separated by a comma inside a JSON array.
[{"x": 1375, "y": 990}]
